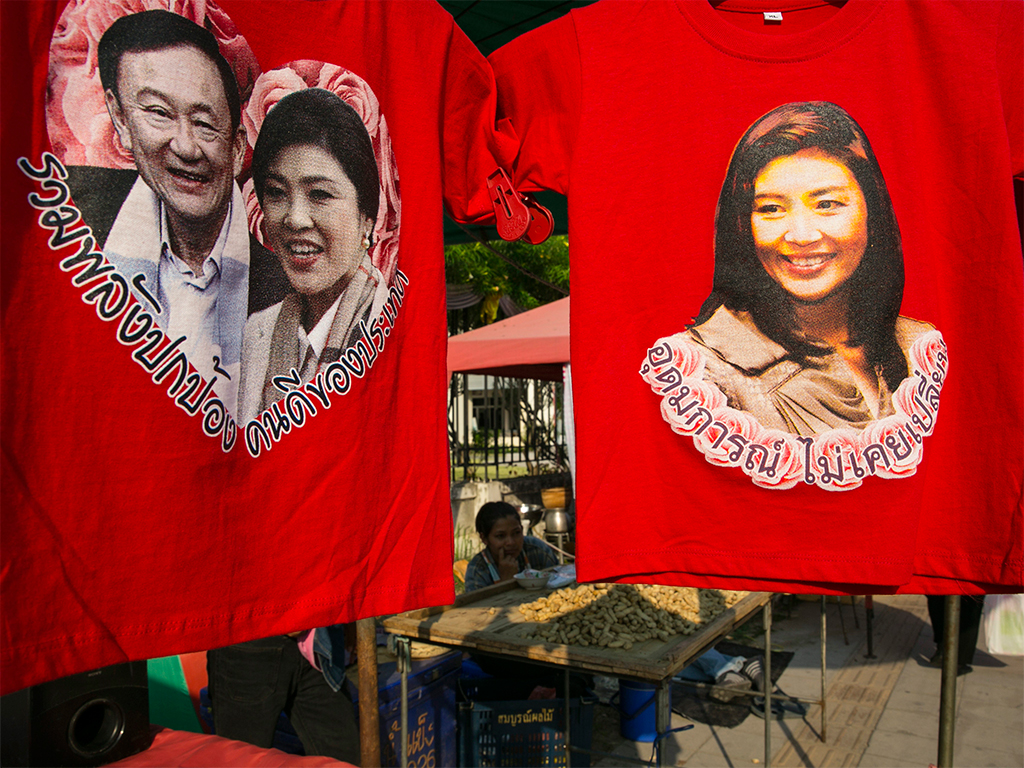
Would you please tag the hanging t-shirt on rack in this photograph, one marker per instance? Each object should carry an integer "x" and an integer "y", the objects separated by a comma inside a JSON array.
[
  {"x": 224, "y": 335},
  {"x": 797, "y": 301}
]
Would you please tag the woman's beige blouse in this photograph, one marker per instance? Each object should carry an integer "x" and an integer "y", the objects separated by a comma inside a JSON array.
[{"x": 758, "y": 376}]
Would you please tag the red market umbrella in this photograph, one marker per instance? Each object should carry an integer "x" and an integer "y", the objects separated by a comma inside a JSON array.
[{"x": 530, "y": 345}]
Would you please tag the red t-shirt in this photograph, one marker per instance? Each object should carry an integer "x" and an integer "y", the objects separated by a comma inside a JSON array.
[
  {"x": 139, "y": 519},
  {"x": 714, "y": 464}
]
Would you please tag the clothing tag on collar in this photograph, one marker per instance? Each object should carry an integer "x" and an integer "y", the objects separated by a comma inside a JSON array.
[{"x": 773, "y": 17}]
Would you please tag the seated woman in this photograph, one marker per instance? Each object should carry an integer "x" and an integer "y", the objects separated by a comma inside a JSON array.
[
  {"x": 507, "y": 551},
  {"x": 317, "y": 181}
]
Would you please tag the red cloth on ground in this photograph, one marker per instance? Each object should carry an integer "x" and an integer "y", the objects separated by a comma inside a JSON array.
[{"x": 200, "y": 750}]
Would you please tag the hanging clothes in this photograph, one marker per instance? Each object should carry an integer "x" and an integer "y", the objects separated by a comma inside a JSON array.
[
  {"x": 638, "y": 111},
  {"x": 141, "y": 516}
]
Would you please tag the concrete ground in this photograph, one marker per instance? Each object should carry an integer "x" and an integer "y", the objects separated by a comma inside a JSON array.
[{"x": 881, "y": 712}]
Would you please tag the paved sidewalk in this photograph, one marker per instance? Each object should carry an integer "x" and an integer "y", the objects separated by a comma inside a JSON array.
[{"x": 880, "y": 713}]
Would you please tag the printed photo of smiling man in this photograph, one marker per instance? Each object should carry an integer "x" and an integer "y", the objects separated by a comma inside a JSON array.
[{"x": 176, "y": 226}]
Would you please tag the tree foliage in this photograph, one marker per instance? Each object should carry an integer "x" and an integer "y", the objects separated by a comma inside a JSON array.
[{"x": 473, "y": 264}]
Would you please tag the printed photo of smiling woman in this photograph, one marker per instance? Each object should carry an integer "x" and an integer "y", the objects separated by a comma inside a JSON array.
[
  {"x": 802, "y": 328},
  {"x": 317, "y": 182}
]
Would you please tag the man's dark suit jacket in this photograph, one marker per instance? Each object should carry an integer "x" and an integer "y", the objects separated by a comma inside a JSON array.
[{"x": 99, "y": 193}]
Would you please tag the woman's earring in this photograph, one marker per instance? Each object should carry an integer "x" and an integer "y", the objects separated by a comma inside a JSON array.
[{"x": 366, "y": 241}]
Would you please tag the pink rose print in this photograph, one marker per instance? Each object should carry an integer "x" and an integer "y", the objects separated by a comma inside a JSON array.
[
  {"x": 272, "y": 86},
  {"x": 253, "y": 212},
  {"x": 903, "y": 400},
  {"x": 834, "y": 459},
  {"x": 691, "y": 408},
  {"x": 928, "y": 354},
  {"x": 891, "y": 447},
  {"x": 725, "y": 442},
  {"x": 671, "y": 352},
  {"x": 269, "y": 89},
  {"x": 355, "y": 92},
  {"x": 657, "y": 361},
  {"x": 389, "y": 211},
  {"x": 77, "y": 122},
  {"x": 775, "y": 460},
  {"x": 685, "y": 356},
  {"x": 917, "y": 401}
]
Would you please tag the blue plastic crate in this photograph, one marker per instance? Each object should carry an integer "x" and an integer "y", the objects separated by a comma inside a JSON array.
[
  {"x": 499, "y": 727},
  {"x": 431, "y": 727}
]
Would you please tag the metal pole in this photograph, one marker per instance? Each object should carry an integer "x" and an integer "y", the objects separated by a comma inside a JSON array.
[
  {"x": 869, "y": 611},
  {"x": 768, "y": 684},
  {"x": 369, "y": 709},
  {"x": 824, "y": 720},
  {"x": 947, "y": 702},
  {"x": 662, "y": 717},
  {"x": 489, "y": 406},
  {"x": 403, "y": 648},
  {"x": 467, "y": 432}
]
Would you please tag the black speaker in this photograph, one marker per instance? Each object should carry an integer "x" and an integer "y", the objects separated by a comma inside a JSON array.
[{"x": 88, "y": 719}]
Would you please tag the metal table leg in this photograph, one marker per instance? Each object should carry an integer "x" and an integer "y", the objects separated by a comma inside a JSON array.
[
  {"x": 662, "y": 716},
  {"x": 403, "y": 647},
  {"x": 824, "y": 719},
  {"x": 369, "y": 705},
  {"x": 768, "y": 684},
  {"x": 947, "y": 701}
]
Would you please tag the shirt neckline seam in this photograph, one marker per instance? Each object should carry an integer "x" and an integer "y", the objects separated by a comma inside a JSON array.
[{"x": 734, "y": 42}]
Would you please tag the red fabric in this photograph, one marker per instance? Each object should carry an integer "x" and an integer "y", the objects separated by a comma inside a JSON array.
[
  {"x": 199, "y": 750},
  {"x": 130, "y": 534},
  {"x": 633, "y": 110},
  {"x": 533, "y": 344}
]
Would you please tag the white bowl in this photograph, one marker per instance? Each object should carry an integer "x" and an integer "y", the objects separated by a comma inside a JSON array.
[{"x": 532, "y": 582}]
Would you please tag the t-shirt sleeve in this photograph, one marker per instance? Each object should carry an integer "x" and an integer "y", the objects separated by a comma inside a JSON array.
[
  {"x": 539, "y": 83},
  {"x": 474, "y": 144}
]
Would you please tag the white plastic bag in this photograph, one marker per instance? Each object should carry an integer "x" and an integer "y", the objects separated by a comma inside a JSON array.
[{"x": 1003, "y": 618}]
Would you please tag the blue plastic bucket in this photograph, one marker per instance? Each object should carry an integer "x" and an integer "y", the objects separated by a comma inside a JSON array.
[{"x": 636, "y": 710}]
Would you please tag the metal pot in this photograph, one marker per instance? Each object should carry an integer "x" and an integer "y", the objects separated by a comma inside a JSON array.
[
  {"x": 556, "y": 520},
  {"x": 530, "y": 514}
]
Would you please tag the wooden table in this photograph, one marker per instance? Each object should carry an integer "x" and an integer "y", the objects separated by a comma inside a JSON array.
[{"x": 488, "y": 621}]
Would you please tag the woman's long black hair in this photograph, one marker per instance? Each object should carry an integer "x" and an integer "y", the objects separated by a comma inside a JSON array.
[
  {"x": 320, "y": 118},
  {"x": 741, "y": 282}
]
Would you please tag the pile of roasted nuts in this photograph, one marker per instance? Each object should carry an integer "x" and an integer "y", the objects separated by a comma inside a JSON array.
[{"x": 619, "y": 615}]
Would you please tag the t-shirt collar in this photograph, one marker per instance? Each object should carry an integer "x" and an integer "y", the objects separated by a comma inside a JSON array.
[
  {"x": 212, "y": 265},
  {"x": 317, "y": 338}
]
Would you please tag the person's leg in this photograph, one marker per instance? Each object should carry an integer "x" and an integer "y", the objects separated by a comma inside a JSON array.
[
  {"x": 715, "y": 664},
  {"x": 720, "y": 669},
  {"x": 325, "y": 720},
  {"x": 970, "y": 624},
  {"x": 247, "y": 692},
  {"x": 707, "y": 667},
  {"x": 937, "y": 615}
]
